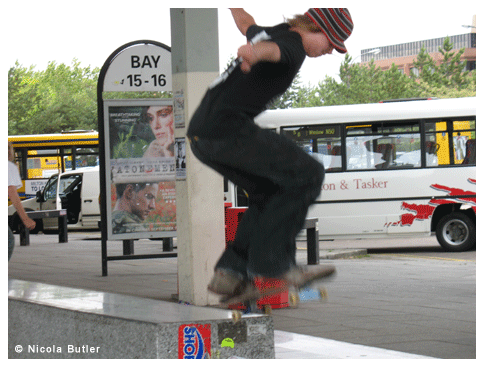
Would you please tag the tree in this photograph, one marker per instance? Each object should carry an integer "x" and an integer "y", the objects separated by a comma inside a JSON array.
[
  {"x": 368, "y": 83},
  {"x": 65, "y": 98},
  {"x": 365, "y": 84},
  {"x": 450, "y": 73},
  {"x": 23, "y": 97},
  {"x": 60, "y": 98}
]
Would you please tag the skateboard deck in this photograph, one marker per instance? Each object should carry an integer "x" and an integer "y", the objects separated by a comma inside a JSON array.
[
  {"x": 247, "y": 297},
  {"x": 250, "y": 300},
  {"x": 296, "y": 296},
  {"x": 313, "y": 291}
]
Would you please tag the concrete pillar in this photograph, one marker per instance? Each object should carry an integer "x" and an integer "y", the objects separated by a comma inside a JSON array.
[{"x": 199, "y": 196}]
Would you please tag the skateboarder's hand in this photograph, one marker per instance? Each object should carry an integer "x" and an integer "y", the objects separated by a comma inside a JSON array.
[{"x": 248, "y": 57}]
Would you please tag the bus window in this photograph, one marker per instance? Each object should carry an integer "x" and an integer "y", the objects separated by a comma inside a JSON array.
[
  {"x": 462, "y": 144},
  {"x": 323, "y": 142},
  {"x": 464, "y": 139},
  {"x": 383, "y": 146},
  {"x": 470, "y": 157},
  {"x": 436, "y": 144}
]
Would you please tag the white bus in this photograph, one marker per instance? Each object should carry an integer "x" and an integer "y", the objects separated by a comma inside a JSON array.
[{"x": 392, "y": 169}]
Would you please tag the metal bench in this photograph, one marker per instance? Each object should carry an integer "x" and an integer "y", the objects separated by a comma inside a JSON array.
[{"x": 37, "y": 214}]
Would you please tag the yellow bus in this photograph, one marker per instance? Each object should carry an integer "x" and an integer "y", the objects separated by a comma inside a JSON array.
[{"x": 40, "y": 156}]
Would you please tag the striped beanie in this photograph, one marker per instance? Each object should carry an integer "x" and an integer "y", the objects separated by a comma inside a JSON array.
[{"x": 336, "y": 24}]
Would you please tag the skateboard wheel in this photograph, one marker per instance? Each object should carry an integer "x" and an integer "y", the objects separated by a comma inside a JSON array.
[
  {"x": 236, "y": 316},
  {"x": 323, "y": 294},
  {"x": 293, "y": 299}
]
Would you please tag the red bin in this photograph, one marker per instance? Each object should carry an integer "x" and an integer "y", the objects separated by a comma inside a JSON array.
[{"x": 233, "y": 216}]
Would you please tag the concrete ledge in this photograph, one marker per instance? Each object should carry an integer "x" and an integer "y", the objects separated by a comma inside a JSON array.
[{"x": 48, "y": 321}]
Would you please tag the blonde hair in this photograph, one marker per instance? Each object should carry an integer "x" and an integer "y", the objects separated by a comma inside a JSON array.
[
  {"x": 11, "y": 154},
  {"x": 304, "y": 22}
]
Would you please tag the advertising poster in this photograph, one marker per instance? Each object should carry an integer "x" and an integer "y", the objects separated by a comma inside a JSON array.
[
  {"x": 180, "y": 159},
  {"x": 194, "y": 341},
  {"x": 179, "y": 109},
  {"x": 140, "y": 160}
]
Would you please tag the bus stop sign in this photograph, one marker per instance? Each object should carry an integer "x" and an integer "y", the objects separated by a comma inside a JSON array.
[{"x": 142, "y": 67}]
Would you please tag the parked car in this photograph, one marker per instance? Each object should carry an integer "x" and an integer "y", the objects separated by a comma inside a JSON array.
[{"x": 77, "y": 191}]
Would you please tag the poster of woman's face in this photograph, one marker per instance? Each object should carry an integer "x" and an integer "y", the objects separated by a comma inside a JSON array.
[{"x": 160, "y": 119}]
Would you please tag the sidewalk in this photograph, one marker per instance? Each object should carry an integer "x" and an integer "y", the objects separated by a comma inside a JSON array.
[{"x": 78, "y": 264}]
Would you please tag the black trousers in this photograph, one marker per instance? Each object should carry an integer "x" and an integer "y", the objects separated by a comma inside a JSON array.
[{"x": 282, "y": 182}]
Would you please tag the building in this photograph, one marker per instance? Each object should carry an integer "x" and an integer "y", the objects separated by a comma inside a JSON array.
[{"x": 403, "y": 55}]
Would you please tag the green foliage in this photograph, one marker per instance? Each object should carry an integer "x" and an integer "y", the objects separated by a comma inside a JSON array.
[
  {"x": 65, "y": 97},
  {"x": 448, "y": 75},
  {"x": 368, "y": 83},
  {"x": 57, "y": 99},
  {"x": 362, "y": 84},
  {"x": 23, "y": 98},
  {"x": 129, "y": 147},
  {"x": 136, "y": 95}
]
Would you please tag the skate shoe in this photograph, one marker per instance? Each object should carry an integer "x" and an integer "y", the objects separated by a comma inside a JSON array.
[
  {"x": 300, "y": 277},
  {"x": 226, "y": 283}
]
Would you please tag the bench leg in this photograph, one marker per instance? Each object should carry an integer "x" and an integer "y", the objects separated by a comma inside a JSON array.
[
  {"x": 128, "y": 247},
  {"x": 62, "y": 222},
  {"x": 313, "y": 246},
  {"x": 167, "y": 244},
  {"x": 24, "y": 235},
  {"x": 104, "y": 255}
]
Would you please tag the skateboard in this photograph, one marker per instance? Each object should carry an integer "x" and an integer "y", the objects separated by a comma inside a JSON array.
[
  {"x": 313, "y": 292},
  {"x": 251, "y": 307},
  {"x": 295, "y": 296},
  {"x": 250, "y": 299}
]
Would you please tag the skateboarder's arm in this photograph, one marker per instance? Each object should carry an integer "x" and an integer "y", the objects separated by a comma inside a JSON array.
[
  {"x": 262, "y": 51},
  {"x": 243, "y": 20}
]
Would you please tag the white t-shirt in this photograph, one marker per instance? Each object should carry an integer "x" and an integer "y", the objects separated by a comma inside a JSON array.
[{"x": 13, "y": 175}]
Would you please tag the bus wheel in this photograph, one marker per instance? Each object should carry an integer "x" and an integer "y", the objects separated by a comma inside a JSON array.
[{"x": 456, "y": 232}]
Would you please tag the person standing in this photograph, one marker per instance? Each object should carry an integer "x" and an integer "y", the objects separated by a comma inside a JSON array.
[{"x": 14, "y": 183}]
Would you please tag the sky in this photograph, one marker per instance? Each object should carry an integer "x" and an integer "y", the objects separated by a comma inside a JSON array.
[{"x": 36, "y": 32}]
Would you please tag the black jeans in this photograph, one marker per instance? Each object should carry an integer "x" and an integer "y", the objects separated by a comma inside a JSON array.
[{"x": 282, "y": 182}]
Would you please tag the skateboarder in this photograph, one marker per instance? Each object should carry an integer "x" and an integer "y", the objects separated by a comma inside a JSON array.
[{"x": 281, "y": 179}]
